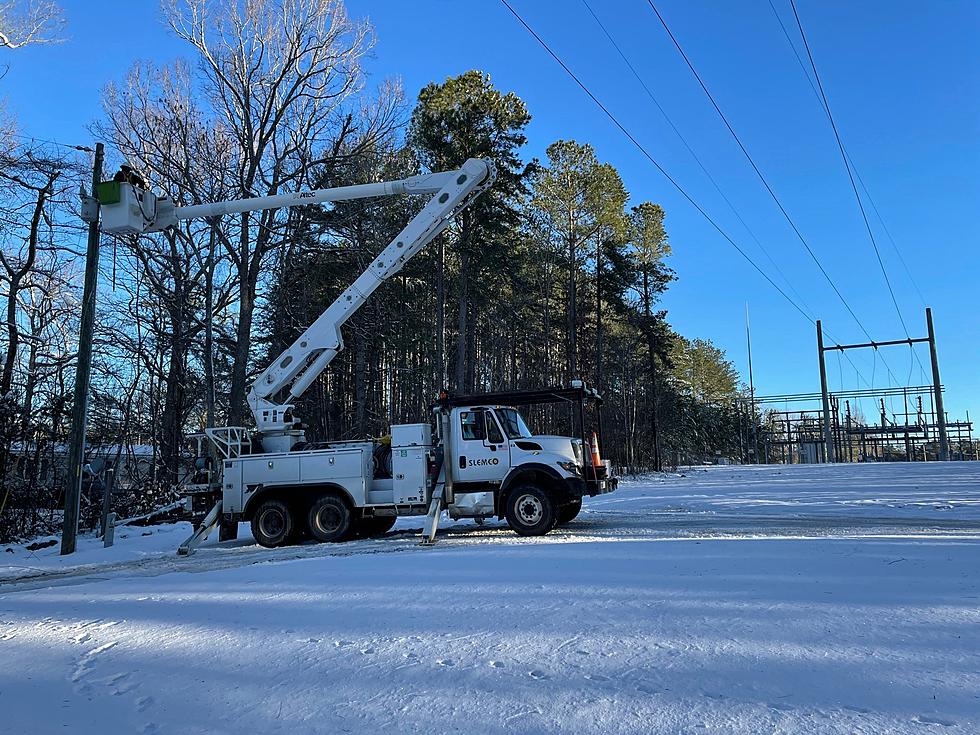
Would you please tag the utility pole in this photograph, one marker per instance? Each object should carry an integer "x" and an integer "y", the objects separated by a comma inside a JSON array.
[
  {"x": 938, "y": 388},
  {"x": 748, "y": 342},
  {"x": 83, "y": 373},
  {"x": 828, "y": 439}
]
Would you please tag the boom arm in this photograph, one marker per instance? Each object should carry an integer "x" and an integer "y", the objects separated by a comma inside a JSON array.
[
  {"x": 127, "y": 208},
  {"x": 303, "y": 361}
]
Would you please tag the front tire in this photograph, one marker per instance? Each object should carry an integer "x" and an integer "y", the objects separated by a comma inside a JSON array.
[
  {"x": 530, "y": 512},
  {"x": 568, "y": 512},
  {"x": 273, "y": 524},
  {"x": 329, "y": 519}
]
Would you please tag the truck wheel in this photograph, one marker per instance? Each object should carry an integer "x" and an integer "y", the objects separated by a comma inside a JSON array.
[
  {"x": 329, "y": 519},
  {"x": 568, "y": 512},
  {"x": 530, "y": 512},
  {"x": 273, "y": 524},
  {"x": 377, "y": 526}
]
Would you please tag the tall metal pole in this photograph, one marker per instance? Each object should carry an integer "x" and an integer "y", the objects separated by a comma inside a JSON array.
[
  {"x": 748, "y": 342},
  {"x": 937, "y": 387},
  {"x": 83, "y": 372},
  {"x": 828, "y": 438}
]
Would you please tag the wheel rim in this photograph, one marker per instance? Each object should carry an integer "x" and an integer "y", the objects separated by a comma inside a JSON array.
[
  {"x": 272, "y": 523},
  {"x": 328, "y": 520},
  {"x": 530, "y": 509}
]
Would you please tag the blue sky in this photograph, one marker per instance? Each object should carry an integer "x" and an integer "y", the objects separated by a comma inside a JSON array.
[{"x": 902, "y": 79}]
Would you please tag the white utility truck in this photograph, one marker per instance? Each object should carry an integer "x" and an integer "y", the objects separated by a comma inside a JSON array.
[{"x": 478, "y": 460}]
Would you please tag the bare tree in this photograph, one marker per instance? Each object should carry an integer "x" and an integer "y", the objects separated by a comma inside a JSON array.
[
  {"x": 32, "y": 207},
  {"x": 35, "y": 21},
  {"x": 155, "y": 123},
  {"x": 283, "y": 77}
]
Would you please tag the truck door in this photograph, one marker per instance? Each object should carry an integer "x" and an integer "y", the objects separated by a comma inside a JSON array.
[{"x": 483, "y": 453}]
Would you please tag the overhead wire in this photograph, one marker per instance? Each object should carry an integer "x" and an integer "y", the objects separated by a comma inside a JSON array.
[
  {"x": 35, "y": 139},
  {"x": 755, "y": 168},
  {"x": 639, "y": 146},
  {"x": 694, "y": 155},
  {"x": 690, "y": 149},
  {"x": 762, "y": 178},
  {"x": 850, "y": 175},
  {"x": 847, "y": 167},
  {"x": 857, "y": 173}
]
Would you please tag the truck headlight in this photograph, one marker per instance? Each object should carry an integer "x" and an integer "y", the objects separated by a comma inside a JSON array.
[{"x": 569, "y": 467}]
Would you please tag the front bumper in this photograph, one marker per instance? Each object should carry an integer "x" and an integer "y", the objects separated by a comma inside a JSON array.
[{"x": 597, "y": 481}]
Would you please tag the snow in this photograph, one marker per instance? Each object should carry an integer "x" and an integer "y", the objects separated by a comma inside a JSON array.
[{"x": 727, "y": 599}]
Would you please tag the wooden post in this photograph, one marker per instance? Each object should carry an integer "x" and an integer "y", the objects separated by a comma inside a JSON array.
[
  {"x": 110, "y": 476},
  {"x": 83, "y": 372},
  {"x": 110, "y": 531}
]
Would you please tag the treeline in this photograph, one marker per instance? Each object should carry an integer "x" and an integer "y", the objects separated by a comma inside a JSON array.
[{"x": 551, "y": 275}]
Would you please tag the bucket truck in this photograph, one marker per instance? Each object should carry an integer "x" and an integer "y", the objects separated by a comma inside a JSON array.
[{"x": 478, "y": 460}]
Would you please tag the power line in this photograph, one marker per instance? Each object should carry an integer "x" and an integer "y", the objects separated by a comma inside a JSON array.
[
  {"x": 34, "y": 139},
  {"x": 850, "y": 175},
  {"x": 660, "y": 168},
  {"x": 706, "y": 172},
  {"x": 761, "y": 176},
  {"x": 694, "y": 155},
  {"x": 850, "y": 160},
  {"x": 650, "y": 158}
]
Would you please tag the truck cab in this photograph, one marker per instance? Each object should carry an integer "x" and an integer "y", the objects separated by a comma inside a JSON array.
[{"x": 499, "y": 467}]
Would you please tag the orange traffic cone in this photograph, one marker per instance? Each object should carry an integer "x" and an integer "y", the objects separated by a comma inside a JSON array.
[{"x": 596, "y": 459}]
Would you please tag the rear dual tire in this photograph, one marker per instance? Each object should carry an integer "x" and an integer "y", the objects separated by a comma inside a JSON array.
[
  {"x": 277, "y": 523},
  {"x": 330, "y": 519},
  {"x": 273, "y": 524}
]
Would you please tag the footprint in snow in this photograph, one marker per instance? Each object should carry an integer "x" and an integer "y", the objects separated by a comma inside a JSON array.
[
  {"x": 85, "y": 664},
  {"x": 445, "y": 662},
  {"x": 597, "y": 677},
  {"x": 933, "y": 720},
  {"x": 143, "y": 704},
  {"x": 120, "y": 684},
  {"x": 343, "y": 644},
  {"x": 497, "y": 664},
  {"x": 537, "y": 674},
  {"x": 367, "y": 651}
]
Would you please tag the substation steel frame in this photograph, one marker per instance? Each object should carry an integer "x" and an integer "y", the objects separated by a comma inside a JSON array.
[{"x": 936, "y": 383}]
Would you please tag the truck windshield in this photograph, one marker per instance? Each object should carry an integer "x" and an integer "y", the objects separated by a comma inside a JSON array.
[{"x": 513, "y": 423}]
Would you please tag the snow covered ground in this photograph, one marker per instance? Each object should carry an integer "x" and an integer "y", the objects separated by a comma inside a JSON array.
[{"x": 732, "y": 599}]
